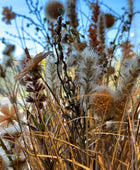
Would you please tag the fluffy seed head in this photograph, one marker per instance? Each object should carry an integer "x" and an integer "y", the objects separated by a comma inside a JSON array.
[
  {"x": 109, "y": 20},
  {"x": 54, "y": 9}
]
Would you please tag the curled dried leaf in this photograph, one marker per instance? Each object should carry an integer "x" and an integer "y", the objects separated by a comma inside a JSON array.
[{"x": 32, "y": 64}]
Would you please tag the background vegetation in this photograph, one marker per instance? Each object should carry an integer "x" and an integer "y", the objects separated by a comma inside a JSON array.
[{"x": 75, "y": 105}]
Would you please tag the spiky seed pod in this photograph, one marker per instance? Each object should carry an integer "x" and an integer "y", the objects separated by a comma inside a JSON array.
[
  {"x": 39, "y": 86},
  {"x": 54, "y": 9},
  {"x": 30, "y": 88},
  {"x": 42, "y": 98},
  {"x": 36, "y": 84},
  {"x": 109, "y": 20},
  {"x": 27, "y": 78},
  {"x": 40, "y": 105},
  {"x": 30, "y": 99},
  {"x": 35, "y": 77}
]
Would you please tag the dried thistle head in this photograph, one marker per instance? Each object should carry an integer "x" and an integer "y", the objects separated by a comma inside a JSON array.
[
  {"x": 8, "y": 15},
  {"x": 54, "y": 9},
  {"x": 8, "y": 115}
]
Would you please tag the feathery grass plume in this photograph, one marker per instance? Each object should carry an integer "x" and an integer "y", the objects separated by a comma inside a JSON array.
[
  {"x": 71, "y": 13},
  {"x": 54, "y": 9},
  {"x": 130, "y": 71},
  {"x": 74, "y": 52},
  {"x": 52, "y": 77},
  {"x": 88, "y": 72}
]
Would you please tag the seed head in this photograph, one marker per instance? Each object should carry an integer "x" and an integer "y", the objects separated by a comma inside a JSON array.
[
  {"x": 54, "y": 9},
  {"x": 109, "y": 20}
]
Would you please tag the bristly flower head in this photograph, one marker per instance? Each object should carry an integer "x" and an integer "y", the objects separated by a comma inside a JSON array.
[
  {"x": 8, "y": 115},
  {"x": 8, "y": 15},
  {"x": 104, "y": 102},
  {"x": 54, "y": 9}
]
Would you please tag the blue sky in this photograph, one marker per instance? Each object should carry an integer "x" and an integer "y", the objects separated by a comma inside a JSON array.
[{"x": 19, "y": 6}]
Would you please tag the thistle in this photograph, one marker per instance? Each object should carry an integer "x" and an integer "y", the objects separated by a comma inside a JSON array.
[{"x": 8, "y": 15}]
